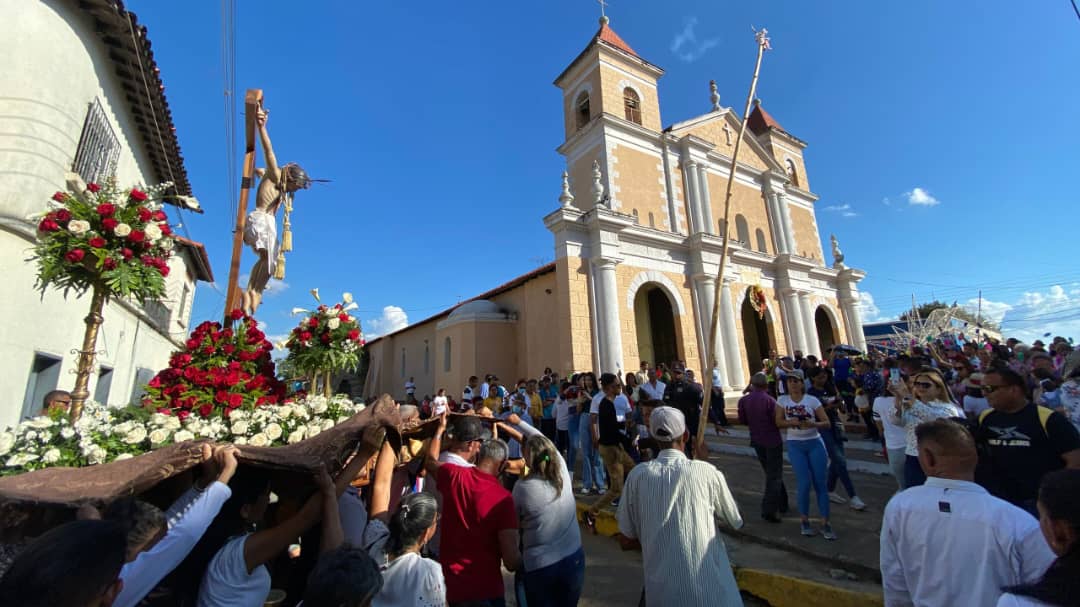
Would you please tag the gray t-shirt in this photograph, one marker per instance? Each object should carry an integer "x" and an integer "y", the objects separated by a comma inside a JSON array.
[{"x": 548, "y": 522}]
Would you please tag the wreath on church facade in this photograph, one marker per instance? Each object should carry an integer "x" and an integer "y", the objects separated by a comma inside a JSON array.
[{"x": 758, "y": 300}]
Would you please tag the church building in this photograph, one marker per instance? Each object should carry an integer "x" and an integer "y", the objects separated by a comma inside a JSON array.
[{"x": 637, "y": 249}]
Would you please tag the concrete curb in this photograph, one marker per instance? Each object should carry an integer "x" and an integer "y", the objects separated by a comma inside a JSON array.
[{"x": 779, "y": 590}]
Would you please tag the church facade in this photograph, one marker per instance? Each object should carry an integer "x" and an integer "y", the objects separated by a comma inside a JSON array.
[{"x": 637, "y": 250}]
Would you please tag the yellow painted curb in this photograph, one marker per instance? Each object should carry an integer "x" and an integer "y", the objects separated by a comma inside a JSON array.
[{"x": 778, "y": 590}]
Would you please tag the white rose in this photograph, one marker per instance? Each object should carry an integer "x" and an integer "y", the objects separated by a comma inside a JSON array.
[
  {"x": 7, "y": 441},
  {"x": 346, "y": 298},
  {"x": 97, "y": 455},
  {"x": 273, "y": 431},
  {"x": 122, "y": 457},
  {"x": 123, "y": 428},
  {"x": 39, "y": 423},
  {"x": 30, "y": 435},
  {"x": 296, "y": 436},
  {"x": 135, "y": 436},
  {"x": 259, "y": 440},
  {"x": 158, "y": 436},
  {"x": 20, "y": 459},
  {"x": 45, "y": 437},
  {"x": 173, "y": 423},
  {"x": 51, "y": 456},
  {"x": 318, "y": 406},
  {"x": 182, "y": 436},
  {"x": 330, "y": 312},
  {"x": 285, "y": 411},
  {"x": 153, "y": 232},
  {"x": 238, "y": 415},
  {"x": 327, "y": 424},
  {"x": 66, "y": 433},
  {"x": 240, "y": 440},
  {"x": 313, "y": 429},
  {"x": 240, "y": 428},
  {"x": 122, "y": 230},
  {"x": 78, "y": 226},
  {"x": 333, "y": 323}
]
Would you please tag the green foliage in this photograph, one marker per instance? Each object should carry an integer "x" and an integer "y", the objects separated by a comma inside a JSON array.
[{"x": 964, "y": 314}]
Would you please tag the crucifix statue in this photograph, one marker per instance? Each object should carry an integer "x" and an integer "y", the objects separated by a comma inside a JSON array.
[{"x": 276, "y": 188}]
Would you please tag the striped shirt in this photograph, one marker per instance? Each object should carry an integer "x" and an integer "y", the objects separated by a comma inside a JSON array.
[{"x": 672, "y": 505}]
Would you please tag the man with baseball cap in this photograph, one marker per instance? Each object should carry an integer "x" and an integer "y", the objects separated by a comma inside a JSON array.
[{"x": 671, "y": 505}]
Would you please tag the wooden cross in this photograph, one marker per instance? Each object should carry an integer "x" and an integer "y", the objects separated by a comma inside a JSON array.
[{"x": 233, "y": 295}]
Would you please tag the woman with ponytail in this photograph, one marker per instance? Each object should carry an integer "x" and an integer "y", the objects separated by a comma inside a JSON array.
[
  {"x": 552, "y": 555},
  {"x": 395, "y": 542},
  {"x": 1059, "y": 518}
]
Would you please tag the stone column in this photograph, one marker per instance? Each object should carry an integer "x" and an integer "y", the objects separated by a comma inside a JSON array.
[
  {"x": 796, "y": 339},
  {"x": 809, "y": 325},
  {"x": 607, "y": 294},
  {"x": 706, "y": 201},
  {"x": 734, "y": 376},
  {"x": 705, "y": 287},
  {"x": 849, "y": 309},
  {"x": 785, "y": 219},
  {"x": 777, "y": 224},
  {"x": 693, "y": 196}
]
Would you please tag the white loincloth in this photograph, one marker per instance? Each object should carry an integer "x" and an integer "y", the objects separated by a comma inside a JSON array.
[{"x": 260, "y": 233}]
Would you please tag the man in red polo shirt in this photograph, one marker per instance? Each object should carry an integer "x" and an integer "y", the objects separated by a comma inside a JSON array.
[{"x": 479, "y": 525}]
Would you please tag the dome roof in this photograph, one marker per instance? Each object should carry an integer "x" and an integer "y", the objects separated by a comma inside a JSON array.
[{"x": 473, "y": 308}]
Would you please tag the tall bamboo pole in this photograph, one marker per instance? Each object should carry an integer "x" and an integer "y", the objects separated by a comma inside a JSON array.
[
  {"x": 93, "y": 320},
  {"x": 763, "y": 45}
]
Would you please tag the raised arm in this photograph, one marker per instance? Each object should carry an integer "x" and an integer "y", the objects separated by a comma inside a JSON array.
[
  {"x": 431, "y": 462},
  {"x": 384, "y": 477},
  {"x": 373, "y": 440},
  {"x": 332, "y": 533},
  {"x": 262, "y": 546},
  {"x": 273, "y": 173}
]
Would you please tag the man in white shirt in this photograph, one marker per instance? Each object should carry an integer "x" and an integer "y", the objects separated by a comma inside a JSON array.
[
  {"x": 930, "y": 530},
  {"x": 410, "y": 390},
  {"x": 654, "y": 388},
  {"x": 672, "y": 506},
  {"x": 470, "y": 393}
]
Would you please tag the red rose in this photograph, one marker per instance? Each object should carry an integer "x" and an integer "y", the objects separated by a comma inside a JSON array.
[
  {"x": 208, "y": 350},
  {"x": 58, "y": 197},
  {"x": 158, "y": 215},
  {"x": 48, "y": 225},
  {"x": 97, "y": 242},
  {"x": 106, "y": 210},
  {"x": 337, "y": 306},
  {"x": 165, "y": 230},
  {"x": 354, "y": 334},
  {"x": 155, "y": 383},
  {"x": 206, "y": 410},
  {"x": 144, "y": 214},
  {"x": 137, "y": 195},
  {"x": 236, "y": 314},
  {"x": 343, "y": 317},
  {"x": 228, "y": 349},
  {"x": 110, "y": 263},
  {"x": 182, "y": 415},
  {"x": 63, "y": 215},
  {"x": 235, "y": 400},
  {"x": 165, "y": 411},
  {"x": 75, "y": 255},
  {"x": 147, "y": 260},
  {"x": 109, "y": 224},
  {"x": 164, "y": 271},
  {"x": 93, "y": 187},
  {"x": 192, "y": 343},
  {"x": 305, "y": 336},
  {"x": 136, "y": 236},
  {"x": 127, "y": 253},
  {"x": 325, "y": 338}
]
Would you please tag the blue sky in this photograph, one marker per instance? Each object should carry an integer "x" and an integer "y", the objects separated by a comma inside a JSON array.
[{"x": 943, "y": 138}]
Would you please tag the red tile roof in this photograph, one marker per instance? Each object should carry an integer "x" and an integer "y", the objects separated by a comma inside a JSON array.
[
  {"x": 202, "y": 260},
  {"x": 608, "y": 35},
  {"x": 760, "y": 120}
]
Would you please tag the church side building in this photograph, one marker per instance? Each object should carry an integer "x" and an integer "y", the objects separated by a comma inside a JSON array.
[
  {"x": 637, "y": 245},
  {"x": 76, "y": 109}
]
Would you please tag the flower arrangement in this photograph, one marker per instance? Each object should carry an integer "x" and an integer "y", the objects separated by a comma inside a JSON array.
[
  {"x": 758, "y": 300},
  {"x": 327, "y": 340},
  {"x": 220, "y": 370},
  {"x": 105, "y": 434},
  {"x": 105, "y": 237}
]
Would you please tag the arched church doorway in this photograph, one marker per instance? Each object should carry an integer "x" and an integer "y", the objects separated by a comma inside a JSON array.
[
  {"x": 826, "y": 331},
  {"x": 757, "y": 336},
  {"x": 654, "y": 319}
]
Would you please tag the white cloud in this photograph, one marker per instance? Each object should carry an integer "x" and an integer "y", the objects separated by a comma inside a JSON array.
[
  {"x": 844, "y": 210},
  {"x": 849, "y": 214},
  {"x": 921, "y": 197},
  {"x": 393, "y": 319},
  {"x": 1036, "y": 313},
  {"x": 685, "y": 44},
  {"x": 867, "y": 308}
]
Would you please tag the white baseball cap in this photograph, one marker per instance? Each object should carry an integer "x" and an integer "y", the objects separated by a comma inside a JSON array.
[{"x": 667, "y": 424}]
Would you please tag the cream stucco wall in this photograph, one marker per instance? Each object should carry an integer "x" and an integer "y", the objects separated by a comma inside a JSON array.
[
  {"x": 807, "y": 240},
  {"x": 640, "y": 185},
  {"x": 536, "y": 338},
  {"x": 575, "y": 328}
]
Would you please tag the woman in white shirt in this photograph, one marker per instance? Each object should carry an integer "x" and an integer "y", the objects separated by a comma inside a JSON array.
[
  {"x": 395, "y": 542},
  {"x": 1059, "y": 519},
  {"x": 803, "y": 415},
  {"x": 930, "y": 401}
]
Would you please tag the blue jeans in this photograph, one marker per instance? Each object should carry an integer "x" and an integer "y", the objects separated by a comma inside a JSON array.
[
  {"x": 837, "y": 462},
  {"x": 808, "y": 459},
  {"x": 592, "y": 469},
  {"x": 572, "y": 446},
  {"x": 557, "y": 584}
]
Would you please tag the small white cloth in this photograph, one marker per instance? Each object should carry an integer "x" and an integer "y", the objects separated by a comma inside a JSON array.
[{"x": 260, "y": 233}]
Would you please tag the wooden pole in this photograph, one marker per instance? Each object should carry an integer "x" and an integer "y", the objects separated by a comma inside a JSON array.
[
  {"x": 81, "y": 391},
  {"x": 252, "y": 103},
  {"x": 763, "y": 44}
]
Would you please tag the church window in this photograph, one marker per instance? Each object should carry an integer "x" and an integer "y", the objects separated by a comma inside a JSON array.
[
  {"x": 792, "y": 174},
  {"x": 635, "y": 213},
  {"x": 759, "y": 235},
  {"x": 652, "y": 220},
  {"x": 742, "y": 230},
  {"x": 632, "y": 104},
  {"x": 581, "y": 110},
  {"x": 446, "y": 355}
]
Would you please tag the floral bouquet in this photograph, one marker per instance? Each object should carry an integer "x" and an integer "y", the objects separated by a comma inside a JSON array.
[
  {"x": 105, "y": 237},
  {"x": 106, "y": 434},
  {"x": 758, "y": 301},
  {"x": 220, "y": 370},
  {"x": 328, "y": 340}
]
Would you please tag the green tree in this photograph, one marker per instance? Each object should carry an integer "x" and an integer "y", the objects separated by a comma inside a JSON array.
[{"x": 964, "y": 314}]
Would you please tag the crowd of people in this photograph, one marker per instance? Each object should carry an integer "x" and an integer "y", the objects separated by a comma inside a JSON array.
[{"x": 982, "y": 441}]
